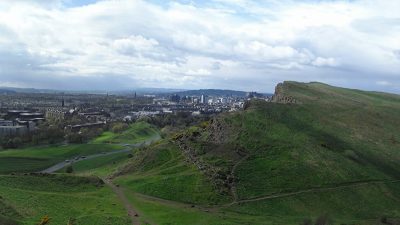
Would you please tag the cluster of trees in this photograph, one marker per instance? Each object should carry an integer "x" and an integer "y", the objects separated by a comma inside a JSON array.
[
  {"x": 51, "y": 132},
  {"x": 119, "y": 127},
  {"x": 12, "y": 142},
  {"x": 83, "y": 135},
  {"x": 180, "y": 119}
]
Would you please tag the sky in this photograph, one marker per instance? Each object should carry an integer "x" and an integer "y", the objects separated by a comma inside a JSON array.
[{"x": 229, "y": 44}]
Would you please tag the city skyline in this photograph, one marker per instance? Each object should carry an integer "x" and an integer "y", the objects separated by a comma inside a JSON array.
[{"x": 238, "y": 45}]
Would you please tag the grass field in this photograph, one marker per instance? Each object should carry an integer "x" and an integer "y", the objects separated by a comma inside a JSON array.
[
  {"x": 34, "y": 159},
  {"x": 137, "y": 132},
  {"x": 26, "y": 199}
]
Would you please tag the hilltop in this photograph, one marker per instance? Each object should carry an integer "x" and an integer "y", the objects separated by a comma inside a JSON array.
[{"x": 315, "y": 151}]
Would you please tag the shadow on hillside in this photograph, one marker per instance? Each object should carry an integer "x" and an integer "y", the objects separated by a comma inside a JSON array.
[{"x": 336, "y": 144}]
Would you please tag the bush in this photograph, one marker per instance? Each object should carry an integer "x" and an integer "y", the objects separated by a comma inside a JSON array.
[
  {"x": 69, "y": 169},
  {"x": 74, "y": 138}
]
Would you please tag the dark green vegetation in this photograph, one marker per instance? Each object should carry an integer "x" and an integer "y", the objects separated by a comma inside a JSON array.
[{"x": 333, "y": 155}]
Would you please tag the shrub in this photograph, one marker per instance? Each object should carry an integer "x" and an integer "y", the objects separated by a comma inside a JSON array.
[{"x": 69, "y": 169}]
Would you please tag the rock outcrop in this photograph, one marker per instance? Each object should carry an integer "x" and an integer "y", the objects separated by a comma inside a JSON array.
[{"x": 281, "y": 97}]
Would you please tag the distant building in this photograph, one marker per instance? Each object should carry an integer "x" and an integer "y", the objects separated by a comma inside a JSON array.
[
  {"x": 13, "y": 114},
  {"x": 195, "y": 100},
  {"x": 13, "y": 130},
  {"x": 203, "y": 99},
  {"x": 254, "y": 94},
  {"x": 55, "y": 114},
  {"x": 175, "y": 98},
  {"x": 29, "y": 116},
  {"x": 223, "y": 100},
  {"x": 6, "y": 122},
  {"x": 86, "y": 125}
]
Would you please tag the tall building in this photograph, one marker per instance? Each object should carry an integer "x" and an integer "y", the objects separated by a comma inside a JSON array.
[
  {"x": 175, "y": 98},
  {"x": 203, "y": 99}
]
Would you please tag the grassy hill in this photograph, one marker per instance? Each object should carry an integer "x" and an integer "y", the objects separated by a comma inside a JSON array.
[
  {"x": 331, "y": 153},
  {"x": 137, "y": 132},
  {"x": 27, "y": 199}
]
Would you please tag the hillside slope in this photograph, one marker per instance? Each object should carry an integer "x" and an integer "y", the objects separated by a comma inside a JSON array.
[{"x": 315, "y": 150}]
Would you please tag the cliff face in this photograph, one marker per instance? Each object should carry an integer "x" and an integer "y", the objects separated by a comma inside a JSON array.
[{"x": 281, "y": 96}]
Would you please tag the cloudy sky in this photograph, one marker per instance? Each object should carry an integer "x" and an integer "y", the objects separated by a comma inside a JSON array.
[{"x": 231, "y": 44}]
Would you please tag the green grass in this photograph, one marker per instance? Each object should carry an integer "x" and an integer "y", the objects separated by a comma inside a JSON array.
[
  {"x": 171, "y": 213},
  {"x": 100, "y": 166},
  {"x": 136, "y": 133},
  {"x": 34, "y": 159},
  {"x": 340, "y": 136},
  {"x": 364, "y": 204},
  {"x": 60, "y": 197},
  {"x": 332, "y": 138},
  {"x": 161, "y": 171}
]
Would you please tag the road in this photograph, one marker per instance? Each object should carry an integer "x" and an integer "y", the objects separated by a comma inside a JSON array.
[
  {"x": 63, "y": 164},
  {"x": 75, "y": 159}
]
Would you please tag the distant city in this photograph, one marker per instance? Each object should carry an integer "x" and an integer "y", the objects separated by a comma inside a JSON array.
[{"x": 21, "y": 113}]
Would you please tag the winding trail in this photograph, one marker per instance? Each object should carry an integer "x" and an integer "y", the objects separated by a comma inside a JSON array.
[
  {"x": 234, "y": 188},
  {"x": 311, "y": 190},
  {"x": 132, "y": 213}
]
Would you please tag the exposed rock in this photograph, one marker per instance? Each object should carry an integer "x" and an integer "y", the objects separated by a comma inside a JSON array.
[{"x": 281, "y": 97}]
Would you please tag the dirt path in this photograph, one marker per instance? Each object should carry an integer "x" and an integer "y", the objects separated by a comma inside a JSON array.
[
  {"x": 355, "y": 184},
  {"x": 132, "y": 213},
  {"x": 233, "y": 188}
]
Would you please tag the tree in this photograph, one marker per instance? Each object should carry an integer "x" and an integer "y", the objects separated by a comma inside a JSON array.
[
  {"x": 119, "y": 127},
  {"x": 74, "y": 137},
  {"x": 17, "y": 141}
]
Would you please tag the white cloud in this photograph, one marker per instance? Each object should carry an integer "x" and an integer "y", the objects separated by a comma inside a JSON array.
[
  {"x": 215, "y": 43},
  {"x": 319, "y": 61}
]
